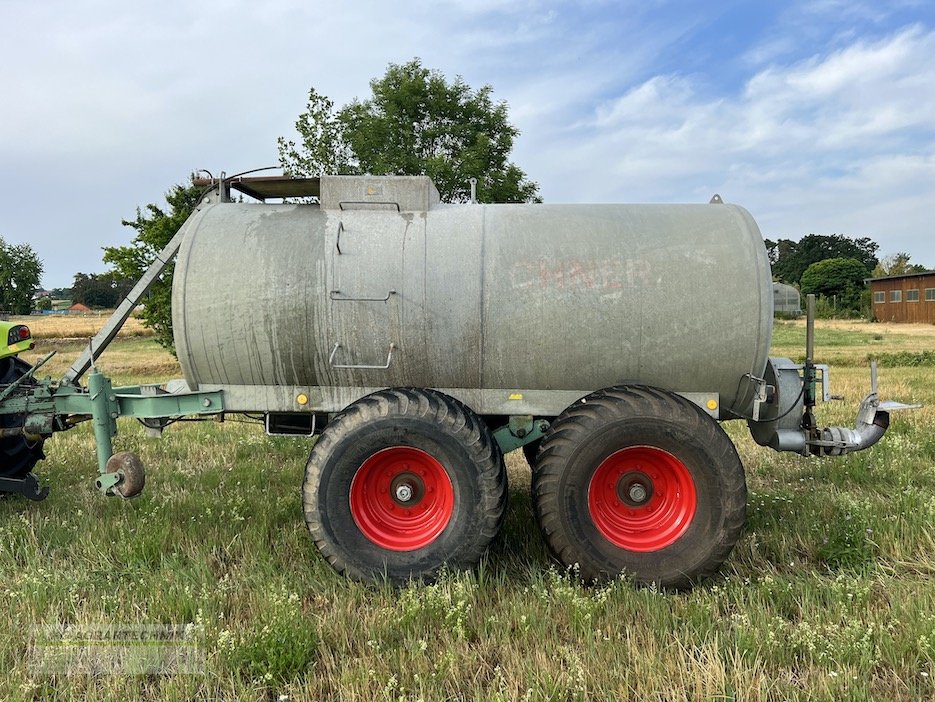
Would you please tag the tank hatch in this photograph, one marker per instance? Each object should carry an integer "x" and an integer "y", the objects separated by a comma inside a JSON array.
[{"x": 396, "y": 193}]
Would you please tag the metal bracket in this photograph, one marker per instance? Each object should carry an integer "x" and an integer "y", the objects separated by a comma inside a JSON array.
[
  {"x": 338, "y": 242},
  {"x": 826, "y": 395},
  {"x": 521, "y": 430},
  {"x": 761, "y": 394},
  {"x": 106, "y": 482},
  {"x": 334, "y": 351},
  {"x": 27, "y": 486}
]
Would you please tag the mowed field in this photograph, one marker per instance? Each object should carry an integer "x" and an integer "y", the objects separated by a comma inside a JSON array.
[{"x": 829, "y": 595}]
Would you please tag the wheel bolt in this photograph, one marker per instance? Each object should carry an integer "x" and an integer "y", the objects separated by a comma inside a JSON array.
[
  {"x": 637, "y": 492},
  {"x": 404, "y": 492}
]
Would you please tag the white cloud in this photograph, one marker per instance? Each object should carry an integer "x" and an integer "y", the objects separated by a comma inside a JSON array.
[{"x": 841, "y": 142}]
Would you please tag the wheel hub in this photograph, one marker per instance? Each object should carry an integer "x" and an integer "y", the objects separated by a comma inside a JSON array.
[
  {"x": 642, "y": 498},
  {"x": 407, "y": 489},
  {"x": 635, "y": 489},
  {"x": 401, "y": 498}
]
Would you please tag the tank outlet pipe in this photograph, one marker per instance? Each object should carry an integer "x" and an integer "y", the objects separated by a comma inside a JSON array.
[
  {"x": 873, "y": 419},
  {"x": 785, "y": 427},
  {"x": 872, "y": 423}
]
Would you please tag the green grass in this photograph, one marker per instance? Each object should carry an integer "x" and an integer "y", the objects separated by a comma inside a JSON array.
[
  {"x": 848, "y": 344},
  {"x": 828, "y": 595}
]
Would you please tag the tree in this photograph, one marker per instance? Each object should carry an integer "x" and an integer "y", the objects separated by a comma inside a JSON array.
[
  {"x": 104, "y": 290},
  {"x": 323, "y": 148},
  {"x": 43, "y": 304},
  {"x": 896, "y": 264},
  {"x": 155, "y": 228},
  {"x": 839, "y": 278},
  {"x": 789, "y": 259},
  {"x": 415, "y": 123},
  {"x": 20, "y": 272}
]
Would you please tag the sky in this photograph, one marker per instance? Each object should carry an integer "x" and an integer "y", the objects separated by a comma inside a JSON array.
[{"x": 818, "y": 117}]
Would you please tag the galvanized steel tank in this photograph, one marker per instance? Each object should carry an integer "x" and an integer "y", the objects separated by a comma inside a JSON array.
[{"x": 382, "y": 286}]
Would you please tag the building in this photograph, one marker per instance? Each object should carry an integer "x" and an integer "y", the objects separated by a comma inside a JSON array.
[
  {"x": 786, "y": 300},
  {"x": 904, "y": 298}
]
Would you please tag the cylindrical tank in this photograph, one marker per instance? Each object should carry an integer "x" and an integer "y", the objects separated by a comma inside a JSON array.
[{"x": 532, "y": 298}]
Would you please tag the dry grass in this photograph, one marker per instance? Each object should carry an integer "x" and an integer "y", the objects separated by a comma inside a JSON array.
[
  {"x": 134, "y": 358},
  {"x": 77, "y": 326}
]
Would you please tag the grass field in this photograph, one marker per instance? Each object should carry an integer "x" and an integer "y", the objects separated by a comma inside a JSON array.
[{"x": 829, "y": 595}]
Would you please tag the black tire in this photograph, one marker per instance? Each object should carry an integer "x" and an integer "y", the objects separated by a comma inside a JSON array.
[
  {"x": 350, "y": 501},
  {"x": 17, "y": 455},
  {"x": 530, "y": 451},
  {"x": 671, "y": 525}
]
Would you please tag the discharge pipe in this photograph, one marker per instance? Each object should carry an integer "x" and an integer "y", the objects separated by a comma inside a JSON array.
[{"x": 784, "y": 419}]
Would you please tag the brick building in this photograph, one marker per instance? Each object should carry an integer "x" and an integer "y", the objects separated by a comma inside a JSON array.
[{"x": 904, "y": 298}]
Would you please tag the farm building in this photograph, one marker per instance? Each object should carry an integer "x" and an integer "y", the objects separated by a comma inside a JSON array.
[
  {"x": 904, "y": 298},
  {"x": 786, "y": 299}
]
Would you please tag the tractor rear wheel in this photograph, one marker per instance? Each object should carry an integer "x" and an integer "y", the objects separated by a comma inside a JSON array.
[
  {"x": 403, "y": 482},
  {"x": 17, "y": 455},
  {"x": 639, "y": 481}
]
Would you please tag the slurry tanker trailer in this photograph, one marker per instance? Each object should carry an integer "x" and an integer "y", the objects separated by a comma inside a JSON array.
[{"x": 421, "y": 341}]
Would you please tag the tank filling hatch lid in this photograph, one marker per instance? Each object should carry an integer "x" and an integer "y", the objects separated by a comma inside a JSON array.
[{"x": 397, "y": 193}]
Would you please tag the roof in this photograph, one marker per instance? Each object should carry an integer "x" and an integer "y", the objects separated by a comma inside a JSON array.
[{"x": 897, "y": 277}]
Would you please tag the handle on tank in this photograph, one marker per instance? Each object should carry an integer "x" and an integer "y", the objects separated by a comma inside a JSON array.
[
  {"x": 334, "y": 351},
  {"x": 334, "y": 295},
  {"x": 367, "y": 204}
]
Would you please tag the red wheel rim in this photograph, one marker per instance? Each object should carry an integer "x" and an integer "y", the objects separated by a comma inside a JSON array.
[
  {"x": 401, "y": 498},
  {"x": 642, "y": 498}
]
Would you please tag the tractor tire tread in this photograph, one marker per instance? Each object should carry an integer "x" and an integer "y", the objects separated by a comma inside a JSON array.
[
  {"x": 432, "y": 408},
  {"x": 574, "y": 425}
]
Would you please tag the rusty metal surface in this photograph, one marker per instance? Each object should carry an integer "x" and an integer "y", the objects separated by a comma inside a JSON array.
[{"x": 539, "y": 298}]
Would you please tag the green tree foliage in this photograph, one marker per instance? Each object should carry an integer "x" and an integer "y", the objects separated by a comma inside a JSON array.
[
  {"x": 43, "y": 304},
  {"x": 154, "y": 227},
  {"x": 20, "y": 272},
  {"x": 101, "y": 290},
  {"x": 323, "y": 149},
  {"x": 840, "y": 280},
  {"x": 789, "y": 259},
  {"x": 415, "y": 123},
  {"x": 896, "y": 264}
]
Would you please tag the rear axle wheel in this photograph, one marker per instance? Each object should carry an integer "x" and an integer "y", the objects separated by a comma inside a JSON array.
[{"x": 639, "y": 481}]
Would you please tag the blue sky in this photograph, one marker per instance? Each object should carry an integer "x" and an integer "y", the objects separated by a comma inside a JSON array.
[{"x": 818, "y": 117}]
